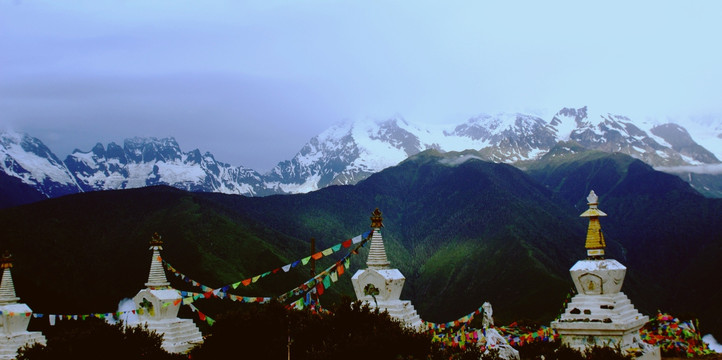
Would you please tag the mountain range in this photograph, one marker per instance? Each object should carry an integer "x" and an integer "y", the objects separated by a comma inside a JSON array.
[
  {"x": 461, "y": 230},
  {"x": 350, "y": 152}
]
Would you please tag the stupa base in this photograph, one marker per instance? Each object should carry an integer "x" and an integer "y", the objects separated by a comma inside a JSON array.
[
  {"x": 179, "y": 335},
  {"x": 9, "y": 344},
  {"x": 401, "y": 310}
]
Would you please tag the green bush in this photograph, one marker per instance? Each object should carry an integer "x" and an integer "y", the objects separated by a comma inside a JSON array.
[
  {"x": 95, "y": 339},
  {"x": 350, "y": 331}
]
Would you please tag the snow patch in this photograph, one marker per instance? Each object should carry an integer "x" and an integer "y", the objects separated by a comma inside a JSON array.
[
  {"x": 566, "y": 125},
  {"x": 38, "y": 168},
  {"x": 311, "y": 184}
]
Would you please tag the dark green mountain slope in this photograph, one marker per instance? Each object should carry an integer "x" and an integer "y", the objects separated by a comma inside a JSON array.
[
  {"x": 83, "y": 253},
  {"x": 15, "y": 192},
  {"x": 460, "y": 234}
]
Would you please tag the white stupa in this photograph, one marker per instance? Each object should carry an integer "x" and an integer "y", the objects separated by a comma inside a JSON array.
[
  {"x": 379, "y": 284},
  {"x": 15, "y": 317},
  {"x": 157, "y": 306},
  {"x": 600, "y": 314}
]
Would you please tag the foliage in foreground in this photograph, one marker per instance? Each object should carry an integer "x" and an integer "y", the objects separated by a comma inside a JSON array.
[
  {"x": 95, "y": 339},
  {"x": 270, "y": 331},
  {"x": 350, "y": 331}
]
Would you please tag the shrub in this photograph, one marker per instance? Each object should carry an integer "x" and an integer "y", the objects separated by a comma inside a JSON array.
[
  {"x": 96, "y": 339},
  {"x": 350, "y": 331}
]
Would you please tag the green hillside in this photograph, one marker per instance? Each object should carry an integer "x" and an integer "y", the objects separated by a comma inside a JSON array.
[{"x": 83, "y": 253}]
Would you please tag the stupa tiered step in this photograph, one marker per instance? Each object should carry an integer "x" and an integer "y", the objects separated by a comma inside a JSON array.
[
  {"x": 607, "y": 313},
  {"x": 9, "y": 344},
  {"x": 401, "y": 310},
  {"x": 179, "y": 335}
]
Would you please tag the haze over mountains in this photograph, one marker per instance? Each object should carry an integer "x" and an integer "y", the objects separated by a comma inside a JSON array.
[{"x": 350, "y": 152}]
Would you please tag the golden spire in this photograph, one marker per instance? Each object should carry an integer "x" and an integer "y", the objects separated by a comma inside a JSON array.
[
  {"x": 7, "y": 260},
  {"x": 376, "y": 219},
  {"x": 156, "y": 242},
  {"x": 595, "y": 243}
]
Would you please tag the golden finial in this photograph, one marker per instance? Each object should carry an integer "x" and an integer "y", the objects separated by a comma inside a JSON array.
[
  {"x": 595, "y": 243},
  {"x": 7, "y": 260},
  {"x": 376, "y": 220},
  {"x": 156, "y": 241}
]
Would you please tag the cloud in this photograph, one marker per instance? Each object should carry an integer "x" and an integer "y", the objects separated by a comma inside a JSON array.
[
  {"x": 711, "y": 169},
  {"x": 459, "y": 160}
]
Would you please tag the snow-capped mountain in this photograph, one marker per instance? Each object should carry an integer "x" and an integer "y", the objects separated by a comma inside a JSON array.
[
  {"x": 29, "y": 160},
  {"x": 349, "y": 152},
  {"x": 661, "y": 145},
  {"x": 150, "y": 161},
  {"x": 346, "y": 154}
]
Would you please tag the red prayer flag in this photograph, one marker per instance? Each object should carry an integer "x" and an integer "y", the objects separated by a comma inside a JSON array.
[
  {"x": 246, "y": 282},
  {"x": 339, "y": 268},
  {"x": 319, "y": 288},
  {"x": 317, "y": 255},
  {"x": 346, "y": 243}
]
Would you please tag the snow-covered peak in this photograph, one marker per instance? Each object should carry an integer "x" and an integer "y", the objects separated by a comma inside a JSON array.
[
  {"x": 567, "y": 120},
  {"x": 29, "y": 160},
  {"x": 705, "y": 130}
]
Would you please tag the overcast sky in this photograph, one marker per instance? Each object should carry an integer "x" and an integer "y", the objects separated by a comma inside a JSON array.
[{"x": 253, "y": 81}]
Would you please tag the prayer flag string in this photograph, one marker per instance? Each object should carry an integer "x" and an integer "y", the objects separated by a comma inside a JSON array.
[
  {"x": 324, "y": 279},
  {"x": 285, "y": 268},
  {"x": 460, "y": 321}
]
